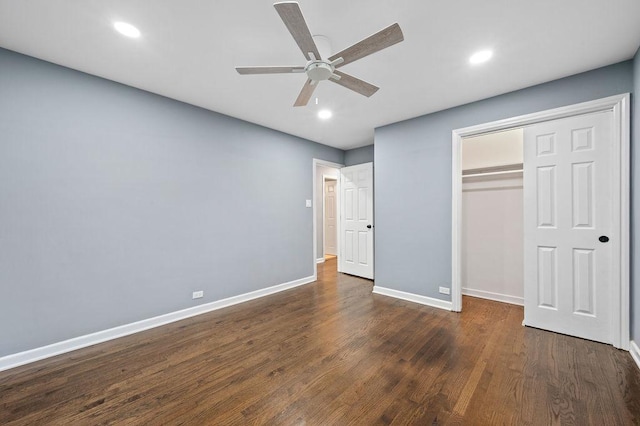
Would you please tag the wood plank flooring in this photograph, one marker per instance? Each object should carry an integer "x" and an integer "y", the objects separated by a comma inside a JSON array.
[{"x": 330, "y": 353}]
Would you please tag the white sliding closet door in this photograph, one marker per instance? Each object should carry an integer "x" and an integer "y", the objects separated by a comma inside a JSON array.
[{"x": 568, "y": 221}]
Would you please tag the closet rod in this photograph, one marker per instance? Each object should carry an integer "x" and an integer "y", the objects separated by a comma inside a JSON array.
[{"x": 504, "y": 172}]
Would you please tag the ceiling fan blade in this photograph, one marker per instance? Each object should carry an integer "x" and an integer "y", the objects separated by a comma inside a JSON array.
[
  {"x": 292, "y": 17},
  {"x": 355, "y": 84},
  {"x": 305, "y": 93},
  {"x": 372, "y": 44},
  {"x": 268, "y": 70}
]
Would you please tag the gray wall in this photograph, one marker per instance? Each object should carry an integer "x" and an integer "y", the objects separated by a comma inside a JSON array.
[
  {"x": 413, "y": 176},
  {"x": 116, "y": 204},
  {"x": 635, "y": 196},
  {"x": 358, "y": 155}
]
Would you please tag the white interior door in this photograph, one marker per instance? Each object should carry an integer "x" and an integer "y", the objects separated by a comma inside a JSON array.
[
  {"x": 568, "y": 187},
  {"x": 330, "y": 217},
  {"x": 356, "y": 220}
]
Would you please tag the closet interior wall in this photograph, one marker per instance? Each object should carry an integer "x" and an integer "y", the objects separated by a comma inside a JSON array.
[{"x": 492, "y": 217}]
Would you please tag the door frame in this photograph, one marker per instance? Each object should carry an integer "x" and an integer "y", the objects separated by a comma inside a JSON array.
[
  {"x": 619, "y": 105},
  {"x": 326, "y": 178},
  {"x": 315, "y": 163}
]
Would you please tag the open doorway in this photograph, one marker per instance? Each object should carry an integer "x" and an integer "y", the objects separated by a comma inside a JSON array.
[
  {"x": 326, "y": 196},
  {"x": 492, "y": 236},
  {"x": 330, "y": 217}
]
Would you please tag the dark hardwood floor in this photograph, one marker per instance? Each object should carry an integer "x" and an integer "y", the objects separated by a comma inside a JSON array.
[{"x": 332, "y": 353}]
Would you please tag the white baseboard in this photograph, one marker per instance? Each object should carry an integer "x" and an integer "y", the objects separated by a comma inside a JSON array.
[
  {"x": 320, "y": 260},
  {"x": 416, "y": 298},
  {"x": 514, "y": 300},
  {"x": 21, "y": 358},
  {"x": 634, "y": 350}
]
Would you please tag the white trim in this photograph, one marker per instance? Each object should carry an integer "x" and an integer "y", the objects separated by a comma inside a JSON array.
[
  {"x": 316, "y": 162},
  {"x": 598, "y": 105},
  {"x": 634, "y": 350},
  {"x": 456, "y": 220},
  {"x": 416, "y": 298},
  {"x": 320, "y": 260},
  {"x": 37, "y": 354},
  {"x": 622, "y": 123},
  {"x": 619, "y": 104},
  {"x": 504, "y": 298}
]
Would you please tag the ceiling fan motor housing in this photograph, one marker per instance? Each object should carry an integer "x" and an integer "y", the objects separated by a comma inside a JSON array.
[{"x": 319, "y": 70}]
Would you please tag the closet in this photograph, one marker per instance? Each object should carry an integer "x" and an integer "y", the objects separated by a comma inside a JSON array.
[{"x": 492, "y": 217}]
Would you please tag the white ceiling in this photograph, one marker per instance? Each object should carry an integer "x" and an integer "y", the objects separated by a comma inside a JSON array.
[{"x": 188, "y": 50}]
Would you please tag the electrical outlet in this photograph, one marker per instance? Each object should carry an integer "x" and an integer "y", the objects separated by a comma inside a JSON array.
[
  {"x": 445, "y": 290},
  {"x": 197, "y": 294},
  {"x": 307, "y": 203}
]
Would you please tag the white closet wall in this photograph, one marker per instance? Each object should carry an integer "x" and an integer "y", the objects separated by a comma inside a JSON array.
[
  {"x": 492, "y": 219},
  {"x": 495, "y": 149}
]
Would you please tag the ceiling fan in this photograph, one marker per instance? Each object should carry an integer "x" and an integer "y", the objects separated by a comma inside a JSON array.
[{"x": 319, "y": 69}]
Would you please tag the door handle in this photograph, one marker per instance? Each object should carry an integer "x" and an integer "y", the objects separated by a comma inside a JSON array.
[
  {"x": 603, "y": 239},
  {"x": 369, "y": 226}
]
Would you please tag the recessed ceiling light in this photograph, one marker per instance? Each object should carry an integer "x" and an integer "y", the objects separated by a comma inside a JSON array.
[
  {"x": 127, "y": 29},
  {"x": 481, "y": 56},
  {"x": 324, "y": 114}
]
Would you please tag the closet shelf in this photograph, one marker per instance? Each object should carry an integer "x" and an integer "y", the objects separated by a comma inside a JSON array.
[{"x": 493, "y": 171}]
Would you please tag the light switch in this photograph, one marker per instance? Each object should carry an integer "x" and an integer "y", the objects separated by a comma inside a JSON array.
[{"x": 308, "y": 203}]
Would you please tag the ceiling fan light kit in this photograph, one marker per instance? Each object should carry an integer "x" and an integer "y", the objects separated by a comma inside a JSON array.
[{"x": 318, "y": 69}]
